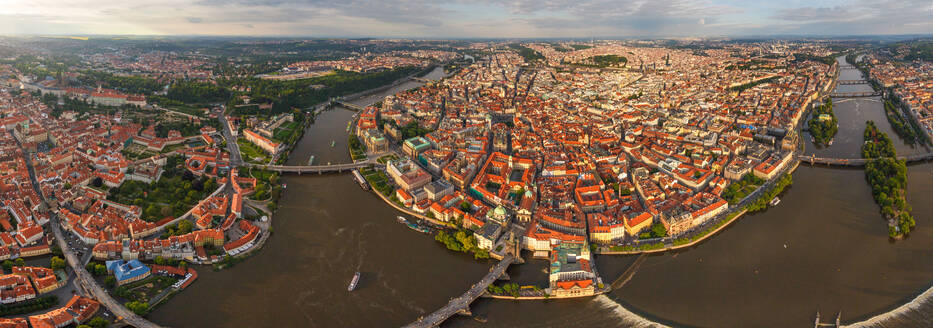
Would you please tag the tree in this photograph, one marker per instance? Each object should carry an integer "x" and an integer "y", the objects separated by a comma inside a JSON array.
[
  {"x": 57, "y": 263},
  {"x": 110, "y": 281},
  {"x": 7, "y": 265},
  {"x": 100, "y": 269},
  {"x": 97, "y": 182},
  {"x": 19, "y": 262},
  {"x": 98, "y": 322},
  {"x": 465, "y": 206},
  {"x": 140, "y": 308}
]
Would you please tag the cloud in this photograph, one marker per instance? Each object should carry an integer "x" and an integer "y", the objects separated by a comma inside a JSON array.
[{"x": 465, "y": 18}]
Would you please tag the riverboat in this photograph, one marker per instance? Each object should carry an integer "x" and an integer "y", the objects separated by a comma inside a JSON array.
[
  {"x": 332, "y": 143},
  {"x": 356, "y": 279},
  {"x": 360, "y": 180},
  {"x": 310, "y": 160},
  {"x": 401, "y": 219},
  {"x": 418, "y": 228},
  {"x": 775, "y": 201}
]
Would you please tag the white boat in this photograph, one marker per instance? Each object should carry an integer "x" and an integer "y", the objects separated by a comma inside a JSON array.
[
  {"x": 356, "y": 279},
  {"x": 775, "y": 201},
  {"x": 401, "y": 219},
  {"x": 310, "y": 160}
]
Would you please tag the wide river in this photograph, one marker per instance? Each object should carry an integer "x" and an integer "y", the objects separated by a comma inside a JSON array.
[{"x": 824, "y": 248}]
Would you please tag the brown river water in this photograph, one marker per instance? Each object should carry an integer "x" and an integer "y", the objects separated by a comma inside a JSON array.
[{"x": 823, "y": 248}]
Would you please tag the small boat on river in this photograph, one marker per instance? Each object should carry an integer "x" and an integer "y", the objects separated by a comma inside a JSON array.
[
  {"x": 356, "y": 279},
  {"x": 774, "y": 201}
]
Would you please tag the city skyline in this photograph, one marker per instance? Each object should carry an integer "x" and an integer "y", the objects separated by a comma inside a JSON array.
[{"x": 457, "y": 19}]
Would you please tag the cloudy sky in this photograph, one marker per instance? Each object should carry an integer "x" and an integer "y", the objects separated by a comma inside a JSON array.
[{"x": 466, "y": 18}]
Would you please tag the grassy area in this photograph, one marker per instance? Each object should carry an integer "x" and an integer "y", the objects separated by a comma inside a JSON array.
[
  {"x": 736, "y": 191},
  {"x": 174, "y": 194},
  {"x": 136, "y": 151},
  {"x": 144, "y": 290},
  {"x": 287, "y": 132},
  {"x": 251, "y": 152},
  {"x": 386, "y": 159},
  {"x": 356, "y": 148},
  {"x": 378, "y": 180},
  {"x": 646, "y": 247},
  {"x": 762, "y": 202}
]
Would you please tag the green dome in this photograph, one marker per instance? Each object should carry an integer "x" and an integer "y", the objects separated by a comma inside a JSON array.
[{"x": 499, "y": 211}]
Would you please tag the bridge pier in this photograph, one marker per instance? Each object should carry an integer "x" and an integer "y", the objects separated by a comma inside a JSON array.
[
  {"x": 465, "y": 312},
  {"x": 505, "y": 276}
]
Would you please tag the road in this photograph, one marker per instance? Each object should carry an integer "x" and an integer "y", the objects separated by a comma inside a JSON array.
[
  {"x": 83, "y": 280},
  {"x": 232, "y": 147}
]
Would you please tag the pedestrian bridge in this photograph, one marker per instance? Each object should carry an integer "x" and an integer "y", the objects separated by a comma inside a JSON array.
[
  {"x": 857, "y": 162},
  {"x": 462, "y": 304},
  {"x": 334, "y": 168}
]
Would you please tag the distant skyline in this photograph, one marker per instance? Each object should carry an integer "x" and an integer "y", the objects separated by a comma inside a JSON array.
[{"x": 467, "y": 19}]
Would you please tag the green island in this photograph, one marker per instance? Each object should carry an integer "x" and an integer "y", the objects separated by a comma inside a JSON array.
[
  {"x": 901, "y": 126},
  {"x": 823, "y": 124},
  {"x": 887, "y": 177}
]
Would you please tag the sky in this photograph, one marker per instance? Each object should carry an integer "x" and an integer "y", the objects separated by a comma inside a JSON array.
[{"x": 467, "y": 18}]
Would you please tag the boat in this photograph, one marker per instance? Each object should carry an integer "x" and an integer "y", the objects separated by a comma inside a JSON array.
[
  {"x": 332, "y": 143},
  {"x": 310, "y": 160},
  {"x": 775, "y": 201},
  {"x": 401, "y": 219},
  {"x": 418, "y": 228},
  {"x": 356, "y": 279},
  {"x": 284, "y": 186},
  {"x": 359, "y": 179}
]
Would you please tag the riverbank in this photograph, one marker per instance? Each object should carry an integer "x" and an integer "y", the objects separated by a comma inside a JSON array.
[{"x": 671, "y": 244}]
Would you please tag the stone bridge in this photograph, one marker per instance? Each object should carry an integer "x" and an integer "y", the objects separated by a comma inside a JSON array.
[{"x": 461, "y": 304}]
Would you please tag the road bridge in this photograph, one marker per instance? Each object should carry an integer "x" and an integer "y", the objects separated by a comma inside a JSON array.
[
  {"x": 851, "y": 82},
  {"x": 857, "y": 162},
  {"x": 349, "y": 105},
  {"x": 334, "y": 168},
  {"x": 855, "y": 94},
  {"x": 461, "y": 304}
]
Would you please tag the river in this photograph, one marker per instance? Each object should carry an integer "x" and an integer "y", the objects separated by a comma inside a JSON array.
[{"x": 837, "y": 257}]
